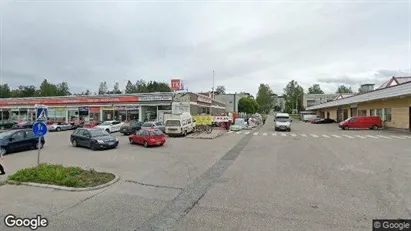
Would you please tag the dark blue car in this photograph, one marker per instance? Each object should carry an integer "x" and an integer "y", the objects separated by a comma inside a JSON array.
[{"x": 19, "y": 140}]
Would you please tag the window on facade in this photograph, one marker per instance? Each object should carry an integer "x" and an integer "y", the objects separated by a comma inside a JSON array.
[
  {"x": 379, "y": 113},
  {"x": 387, "y": 114},
  {"x": 362, "y": 112},
  {"x": 372, "y": 112}
]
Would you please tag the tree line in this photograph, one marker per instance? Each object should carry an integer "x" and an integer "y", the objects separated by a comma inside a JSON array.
[
  {"x": 292, "y": 94},
  {"x": 48, "y": 88}
]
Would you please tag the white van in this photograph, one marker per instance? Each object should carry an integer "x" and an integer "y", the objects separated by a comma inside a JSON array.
[
  {"x": 179, "y": 124},
  {"x": 282, "y": 122}
]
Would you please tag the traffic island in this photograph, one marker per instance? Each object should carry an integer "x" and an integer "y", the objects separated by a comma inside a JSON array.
[
  {"x": 62, "y": 178},
  {"x": 214, "y": 134}
]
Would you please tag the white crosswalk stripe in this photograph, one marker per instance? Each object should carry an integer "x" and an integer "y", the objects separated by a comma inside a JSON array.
[
  {"x": 407, "y": 137},
  {"x": 385, "y": 137},
  {"x": 265, "y": 134},
  {"x": 247, "y": 133},
  {"x": 303, "y": 135},
  {"x": 293, "y": 135},
  {"x": 372, "y": 136},
  {"x": 397, "y": 137},
  {"x": 255, "y": 133},
  {"x": 283, "y": 134},
  {"x": 349, "y": 136},
  {"x": 358, "y": 136},
  {"x": 238, "y": 132},
  {"x": 314, "y": 135},
  {"x": 274, "y": 134},
  {"x": 325, "y": 136},
  {"x": 336, "y": 136},
  {"x": 230, "y": 132}
]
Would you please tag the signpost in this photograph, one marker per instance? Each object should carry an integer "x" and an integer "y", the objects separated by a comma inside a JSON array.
[{"x": 40, "y": 128}]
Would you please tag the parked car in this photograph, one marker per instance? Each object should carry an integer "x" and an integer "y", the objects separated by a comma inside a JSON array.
[
  {"x": 6, "y": 124},
  {"x": 90, "y": 124},
  {"x": 130, "y": 127},
  {"x": 314, "y": 121},
  {"x": 154, "y": 125},
  {"x": 148, "y": 137},
  {"x": 110, "y": 126},
  {"x": 93, "y": 138},
  {"x": 19, "y": 140},
  {"x": 323, "y": 121},
  {"x": 362, "y": 122},
  {"x": 23, "y": 125},
  {"x": 59, "y": 126}
]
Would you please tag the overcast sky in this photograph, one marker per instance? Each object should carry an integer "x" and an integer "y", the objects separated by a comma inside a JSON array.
[{"x": 246, "y": 43}]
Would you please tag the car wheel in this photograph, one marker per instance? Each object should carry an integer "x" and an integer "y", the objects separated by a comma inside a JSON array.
[
  {"x": 375, "y": 127},
  {"x": 108, "y": 130},
  {"x": 131, "y": 141},
  {"x": 58, "y": 129},
  {"x": 74, "y": 143},
  {"x": 145, "y": 144},
  {"x": 93, "y": 147},
  {"x": 185, "y": 133},
  {"x": 345, "y": 128}
]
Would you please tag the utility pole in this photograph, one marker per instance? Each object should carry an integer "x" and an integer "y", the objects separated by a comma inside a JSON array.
[{"x": 213, "y": 84}]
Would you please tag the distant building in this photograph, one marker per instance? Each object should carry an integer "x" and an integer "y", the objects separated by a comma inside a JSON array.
[
  {"x": 231, "y": 100},
  {"x": 395, "y": 81},
  {"x": 309, "y": 100}
]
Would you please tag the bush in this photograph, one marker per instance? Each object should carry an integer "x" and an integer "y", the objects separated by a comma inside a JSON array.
[{"x": 63, "y": 176}]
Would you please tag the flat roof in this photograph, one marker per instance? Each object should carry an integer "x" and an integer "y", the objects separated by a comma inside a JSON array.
[{"x": 383, "y": 93}]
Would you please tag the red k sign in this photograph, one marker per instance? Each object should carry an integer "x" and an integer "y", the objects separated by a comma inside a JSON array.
[{"x": 176, "y": 84}]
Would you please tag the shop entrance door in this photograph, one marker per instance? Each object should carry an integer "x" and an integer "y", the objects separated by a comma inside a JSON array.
[{"x": 345, "y": 116}]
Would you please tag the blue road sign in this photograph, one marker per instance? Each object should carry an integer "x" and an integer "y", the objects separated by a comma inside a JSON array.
[
  {"x": 39, "y": 129},
  {"x": 41, "y": 114}
]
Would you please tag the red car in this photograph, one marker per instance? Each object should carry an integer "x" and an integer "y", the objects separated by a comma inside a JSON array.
[
  {"x": 148, "y": 137},
  {"x": 362, "y": 122}
]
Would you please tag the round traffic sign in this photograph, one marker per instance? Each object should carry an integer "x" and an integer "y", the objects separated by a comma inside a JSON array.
[{"x": 40, "y": 129}]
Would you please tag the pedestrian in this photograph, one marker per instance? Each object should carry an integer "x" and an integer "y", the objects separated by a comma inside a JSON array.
[{"x": 2, "y": 172}]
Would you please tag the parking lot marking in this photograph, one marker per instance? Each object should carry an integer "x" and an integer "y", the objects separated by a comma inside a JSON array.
[
  {"x": 283, "y": 134},
  {"x": 362, "y": 137},
  {"x": 336, "y": 136},
  {"x": 265, "y": 134},
  {"x": 372, "y": 136},
  {"x": 294, "y": 135},
  {"x": 349, "y": 136},
  {"x": 247, "y": 133},
  {"x": 313, "y": 135},
  {"x": 397, "y": 137},
  {"x": 385, "y": 137},
  {"x": 230, "y": 132},
  {"x": 274, "y": 134},
  {"x": 325, "y": 136},
  {"x": 238, "y": 132},
  {"x": 255, "y": 133},
  {"x": 303, "y": 135}
]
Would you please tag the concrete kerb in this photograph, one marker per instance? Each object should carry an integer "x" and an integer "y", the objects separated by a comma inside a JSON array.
[{"x": 71, "y": 189}]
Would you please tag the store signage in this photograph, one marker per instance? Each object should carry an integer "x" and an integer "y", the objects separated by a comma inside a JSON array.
[
  {"x": 220, "y": 119},
  {"x": 204, "y": 99},
  {"x": 83, "y": 108},
  {"x": 71, "y": 100},
  {"x": 155, "y": 98},
  {"x": 109, "y": 108},
  {"x": 127, "y": 108},
  {"x": 176, "y": 85}
]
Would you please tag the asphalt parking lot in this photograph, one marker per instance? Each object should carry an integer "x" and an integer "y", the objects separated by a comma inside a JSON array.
[{"x": 236, "y": 182}]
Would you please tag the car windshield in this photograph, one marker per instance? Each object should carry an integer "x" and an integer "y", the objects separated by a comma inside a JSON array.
[
  {"x": 5, "y": 134},
  {"x": 282, "y": 119},
  {"x": 106, "y": 123},
  {"x": 156, "y": 133},
  {"x": 172, "y": 123},
  {"x": 97, "y": 133},
  {"x": 147, "y": 125},
  {"x": 348, "y": 119}
]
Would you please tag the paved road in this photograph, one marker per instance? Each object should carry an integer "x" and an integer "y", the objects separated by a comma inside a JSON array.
[{"x": 237, "y": 182}]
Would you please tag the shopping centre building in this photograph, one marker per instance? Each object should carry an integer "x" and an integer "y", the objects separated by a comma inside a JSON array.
[{"x": 143, "y": 107}]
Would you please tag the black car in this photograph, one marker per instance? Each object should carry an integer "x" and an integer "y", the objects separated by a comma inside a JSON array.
[
  {"x": 325, "y": 121},
  {"x": 19, "y": 140},
  {"x": 93, "y": 138},
  {"x": 6, "y": 124},
  {"x": 131, "y": 127}
]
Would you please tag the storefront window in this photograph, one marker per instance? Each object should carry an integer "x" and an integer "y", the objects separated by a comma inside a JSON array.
[
  {"x": 164, "y": 107},
  {"x": 73, "y": 114},
  {"x": 387, "y": 114},
  {"x": 83, "y": 113},
  {"x": 5, "y": 115},
  {"x": 150, "y": 113},
  {"x": 110, "y": 114},
  {"x": 57, "y": 114},
  {"x": 122, "y": 114},
  {"x": 379, "y": 113}
]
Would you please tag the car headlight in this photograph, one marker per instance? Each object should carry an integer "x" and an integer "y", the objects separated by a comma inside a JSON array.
[
  {"x": 100, "y": 141},
  {"x": 116, "y": 139}
]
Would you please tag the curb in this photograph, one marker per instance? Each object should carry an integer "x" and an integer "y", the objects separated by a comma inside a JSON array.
[{"x": 64, "y": 188}]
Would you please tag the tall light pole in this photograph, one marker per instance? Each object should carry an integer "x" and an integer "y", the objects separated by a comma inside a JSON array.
[{"x": 213, "y": 84}]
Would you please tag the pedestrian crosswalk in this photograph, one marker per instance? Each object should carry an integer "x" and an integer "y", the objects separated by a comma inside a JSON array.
[{"x": 325, "y": 136}]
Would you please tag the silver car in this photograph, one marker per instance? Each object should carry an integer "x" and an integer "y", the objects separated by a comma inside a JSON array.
[
  {"x": 154, "y": 125},
  {"x": 60, "y": 126}
]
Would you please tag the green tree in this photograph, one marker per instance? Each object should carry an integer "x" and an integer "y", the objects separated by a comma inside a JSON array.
[
  {"x": 130, "y": 88},
  {"x": 247, "y": 105},
  {"x": 220, "y": 90},
  {"x": 87, "y": 92},
  {"x": 102, "y": 89},
  {"x": 116, "y": 89},
  {"x": 315, "y": 89},
  {"x": 5, "y": 91},
  {"x": 24, "y": 91},
  {"x": 265, "y": 98},
  {"x": 292, "y": 95},
  {"x": 47, "y": 89},
  {"x": 154, "y": 86},
  {"x": 343, "y": 89},
  {"x": 63, "y": 89}
]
